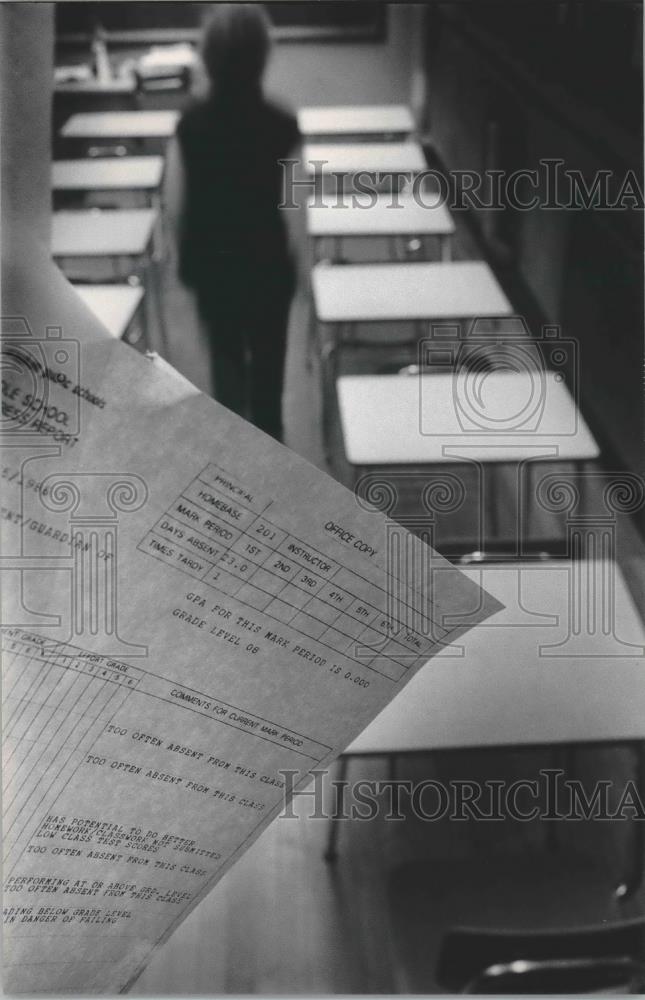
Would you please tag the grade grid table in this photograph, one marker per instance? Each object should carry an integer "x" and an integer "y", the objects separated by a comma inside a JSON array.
[
  {"x": 269, "y": 569},
  {"x": 56, "y": 702},
  {"x": 21, "y": 652}
]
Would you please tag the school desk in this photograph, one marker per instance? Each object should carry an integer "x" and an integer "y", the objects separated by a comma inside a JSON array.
[
  {"x": 111, "y": 234},
  {"x": 94, "y": 133},
  {"x": 112, "y": 173},
  {"x": 497, "y": 419},
  {"x": 402, "y": 292},
  {"x": 372, "y": 157},
  {"x": 114, "y": 305},
  {"x": 350, "y": 294},
  {"x": 390, "y": 217},
  {"x": 516, "y": 680},
  {"x": 121, "y": 237},
  {"x": 368, "y": 120},
  {"x": 422, "y": 419},
  {"x": 121, "y": 125}
]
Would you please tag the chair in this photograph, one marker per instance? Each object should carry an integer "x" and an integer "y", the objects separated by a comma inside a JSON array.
[
  {"x": 527, "y": 923},
  {"x": 576, "y": 960}
]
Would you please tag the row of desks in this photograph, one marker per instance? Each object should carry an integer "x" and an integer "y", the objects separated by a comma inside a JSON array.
[
  {"x": 420, "y": 419},
  {"x": 515, "y": 681},
  {"x": 447, "y": 412},
  {"x": 110, "y": 234},
  {"x": 326, "y": 159},
  {"x": 342, "y": 295},
  {"x": 123, "y": 240},
  {"x": 125, "y": 234},
  {"x": 110, "y": 173},
  {"x": 370, "y": 120},
  {"x": 532, "y": 675}
]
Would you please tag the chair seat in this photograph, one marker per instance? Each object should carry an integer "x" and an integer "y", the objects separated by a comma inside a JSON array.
[{"x": 526, "y": 892}]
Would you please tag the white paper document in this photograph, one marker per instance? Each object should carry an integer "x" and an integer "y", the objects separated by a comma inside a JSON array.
[{"x": 188, "y": 609}]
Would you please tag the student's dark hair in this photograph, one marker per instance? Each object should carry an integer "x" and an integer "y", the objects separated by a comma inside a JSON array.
[{"x": 236, "y": 45}]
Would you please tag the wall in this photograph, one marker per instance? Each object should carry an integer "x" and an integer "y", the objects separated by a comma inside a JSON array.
[
  {"x": 303, "y": 73},
  {"x": 583, "y": 269},
  {"x": 331, "y": 72},
  {"x": 27, "y": 30}
]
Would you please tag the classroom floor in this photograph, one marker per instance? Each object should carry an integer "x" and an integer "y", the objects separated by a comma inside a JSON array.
[
  {"x": 187, "y": 352},
  {"x": 285, "y": 921}
]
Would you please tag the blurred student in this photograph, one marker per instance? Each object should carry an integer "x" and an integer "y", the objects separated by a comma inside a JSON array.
[{"x": 232, "y": 241}]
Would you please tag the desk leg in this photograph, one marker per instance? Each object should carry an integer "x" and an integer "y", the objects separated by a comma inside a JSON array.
[
  {"x": 331, "y": 851},
  {"x": 310, "y": 334},
  {"x": 633, "y": 880},
  {"x": 152, "y": 286},
  {"x": 158, "y": 233},
  {"x": 136, "y": 328},
  {"x": 525, "y": 482},
  {"x": 311, "y": 347},
  {"x": 328, "y": 368},
  {"x": 156, "y": 277},
  {"x": 491, "y": 494}
]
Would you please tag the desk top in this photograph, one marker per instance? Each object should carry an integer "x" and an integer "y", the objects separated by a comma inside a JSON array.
[
  {"x": 347, "y": 119},
  {"x": 347, "y": 293},
  {"x": 93, "y": 87},
  {"x": 108, "y": 173},
  {"x": 121, "y": 125},
  {"x": 496, "y": 416},
  {"x": 403, "y": 157},
  {"x": 508, "y": 688},
  {"x": 381, "y": 219},
  {"x": 107, "y": 233},
  {"x": 113, "y": 305}
]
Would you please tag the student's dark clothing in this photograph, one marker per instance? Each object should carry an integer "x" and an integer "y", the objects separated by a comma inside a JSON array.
[{"x": 233, "y": 245}]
